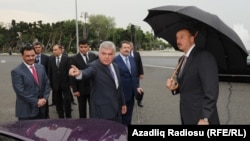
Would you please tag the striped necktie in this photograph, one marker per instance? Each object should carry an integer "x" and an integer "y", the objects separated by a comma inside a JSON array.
[{"x": 34, "y": 73}]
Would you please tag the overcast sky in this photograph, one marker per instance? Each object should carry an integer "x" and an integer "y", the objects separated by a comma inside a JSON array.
[{"x": 235, "y": 13}]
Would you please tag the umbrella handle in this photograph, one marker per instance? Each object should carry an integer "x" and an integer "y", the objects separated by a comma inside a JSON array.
[
  {"x": 177, "y": 68},
  {"x": 196, "y": 33},
  {"x": 173, "y": 77},
  {"x": 174, "y": 74},
  {"x": 176, "y": 71}
]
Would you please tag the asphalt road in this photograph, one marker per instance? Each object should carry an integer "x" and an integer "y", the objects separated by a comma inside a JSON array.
[{"x": 160, "y": 106}]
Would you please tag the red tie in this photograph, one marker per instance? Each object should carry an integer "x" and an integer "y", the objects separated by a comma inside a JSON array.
[{"x": 34, "y": 74}]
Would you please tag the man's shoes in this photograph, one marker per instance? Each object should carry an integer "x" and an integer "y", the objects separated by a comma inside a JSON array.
[
  {"x": 139, "y": 104},
  {"x": 52, "y": 104}
]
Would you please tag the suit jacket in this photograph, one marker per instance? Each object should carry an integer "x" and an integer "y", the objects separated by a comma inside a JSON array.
[
  {"x": 59, "y": 77},
  {"x": 138, "y": 63},
  {"x": 105, "y": 99},
  {"x": 199, "y": 88},
  {"x": 130, "y": 81},
  {"x": 27, "y": 91},
  {"x": 45, "y": 61},
  {"x": 80, "y": 85}
]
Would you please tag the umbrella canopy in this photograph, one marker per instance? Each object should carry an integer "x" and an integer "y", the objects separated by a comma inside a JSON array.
[{"x": 213, "y": 34}]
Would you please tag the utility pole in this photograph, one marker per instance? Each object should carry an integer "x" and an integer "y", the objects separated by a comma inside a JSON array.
[
  {"x": 77, "y": 36},
  {"x": 84, "y": 15}
]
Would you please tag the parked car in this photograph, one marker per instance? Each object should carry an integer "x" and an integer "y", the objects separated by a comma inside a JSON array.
[
  {"x": 242, "y": 77},
  {"x": 248, "y": 59},
  {"x": 63, "y": 130}
]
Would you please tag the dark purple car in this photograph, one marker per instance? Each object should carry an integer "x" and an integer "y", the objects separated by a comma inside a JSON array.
[{"x": 64, "y": 130}]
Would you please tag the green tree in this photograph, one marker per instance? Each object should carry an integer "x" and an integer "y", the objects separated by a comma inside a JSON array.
[
  {"x": 99, "y": 28},
  {"x": 102, "y": 27}
]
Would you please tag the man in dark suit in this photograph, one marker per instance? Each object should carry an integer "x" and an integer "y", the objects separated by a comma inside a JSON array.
[
  {"x": 198, "y": 82},
  {"x": 81, "y": 88},
  {"x": 32, "y": 92},
  {"x": 59, "y": 65},
  {"x": 139, "y": 68},
  {"x": 106, "y": 96},
  {"x": 43, "y": 59},
  {"x": 130, "y": 81},
  {"x": 64, "y": 52}
]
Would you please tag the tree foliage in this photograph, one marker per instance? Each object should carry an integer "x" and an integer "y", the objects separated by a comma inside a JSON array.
[{"x": 98, "y": 28}]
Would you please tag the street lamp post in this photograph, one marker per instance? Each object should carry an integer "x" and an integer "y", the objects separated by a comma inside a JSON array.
[
  {"x": 77, "y": 36},
  {"x": 84, "y": 15}
]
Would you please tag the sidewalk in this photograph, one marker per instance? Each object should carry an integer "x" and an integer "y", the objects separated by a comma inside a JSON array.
[{"x": 161, "y": 53}]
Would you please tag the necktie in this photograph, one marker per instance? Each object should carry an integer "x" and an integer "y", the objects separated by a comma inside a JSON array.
[
  {"x": 128, "y": 64},
  {"x": 86, "y": 58},
  {"x": 37, "y": 59},
  {"x": 34, "y": 74},
  {"x": 57, "y": 62},
  {"x": 111, "y": 72},
  {"x": 113, "y": 76},
  {"x": 182, "y": 65}
]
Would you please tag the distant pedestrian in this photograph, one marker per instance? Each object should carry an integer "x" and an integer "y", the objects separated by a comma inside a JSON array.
[
  {"x": 10, "y": 51},
  {"x": 32, "y": 87}
]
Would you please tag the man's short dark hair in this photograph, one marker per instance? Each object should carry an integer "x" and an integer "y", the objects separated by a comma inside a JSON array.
[
  {"x": 83, "y": 42},
  {"x": 122, "y": 42},
  {"x": 191, "y": 30},
  {"x": 37, "y": 43},
  {"x": 28, "y": 47}
]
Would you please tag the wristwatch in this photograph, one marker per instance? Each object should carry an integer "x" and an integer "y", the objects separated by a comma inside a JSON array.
[{"x": 205, "y": 119}]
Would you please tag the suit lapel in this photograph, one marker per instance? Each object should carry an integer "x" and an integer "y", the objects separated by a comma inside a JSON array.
[
  {"x": 28, "y": 72},
  {"x": 124, "y": 66},
  {"x": 105, "y": 69},
  {"x": 132, "y": 65},
  {"x": 117, "y": 75},
  {"x": 54, "y": 61},
  {"x": 61, "y": 61},
  {"x": 189, "y": 61},
  {"x": 91, "y": 56}
]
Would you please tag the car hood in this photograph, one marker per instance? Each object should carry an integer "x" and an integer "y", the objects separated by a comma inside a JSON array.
[{"x": 67, "y": 129}]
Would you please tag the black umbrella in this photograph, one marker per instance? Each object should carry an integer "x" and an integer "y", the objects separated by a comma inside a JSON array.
[{"x": 213, "y": 34}]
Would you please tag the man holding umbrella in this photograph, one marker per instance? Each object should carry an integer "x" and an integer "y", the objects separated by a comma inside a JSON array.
[{"x": 197, "y": 82}]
